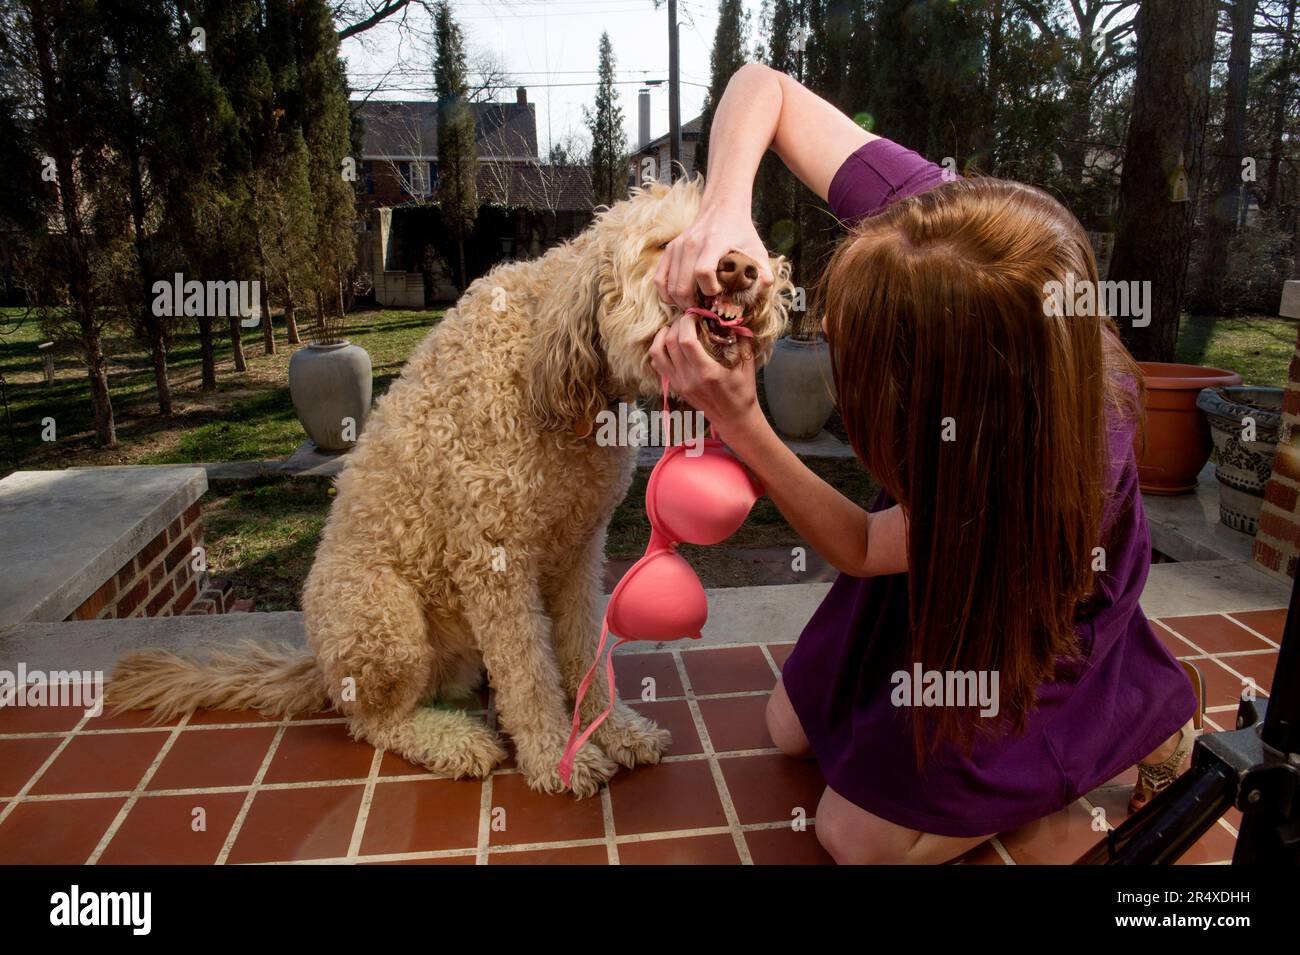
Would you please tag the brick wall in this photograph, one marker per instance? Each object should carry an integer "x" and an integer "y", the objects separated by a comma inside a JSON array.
[
  {"x": 1277, "y": 543},
  {"x": 160, "y": 580}
]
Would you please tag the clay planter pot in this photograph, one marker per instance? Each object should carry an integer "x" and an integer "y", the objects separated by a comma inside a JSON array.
[
  {"x": 329, "y": 385},
  {"x": 1241, "y": 465},
  {"x": 1177, "y": 435},
  {"x": 798, "y": 387}
]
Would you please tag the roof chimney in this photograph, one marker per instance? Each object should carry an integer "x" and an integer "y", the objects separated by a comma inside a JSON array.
[
  {"x": 642, "y": 118},
  {"x": 521, "y": 95}
]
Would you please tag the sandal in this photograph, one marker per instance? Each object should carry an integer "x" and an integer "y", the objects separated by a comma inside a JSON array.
[{"x": 1154, "y": 778}]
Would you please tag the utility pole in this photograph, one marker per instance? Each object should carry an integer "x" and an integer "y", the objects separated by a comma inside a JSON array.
[{"x": 674, "y": 98}]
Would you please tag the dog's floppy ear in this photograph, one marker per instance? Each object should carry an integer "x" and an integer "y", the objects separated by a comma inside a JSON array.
[{"x": 566, "y": 365}]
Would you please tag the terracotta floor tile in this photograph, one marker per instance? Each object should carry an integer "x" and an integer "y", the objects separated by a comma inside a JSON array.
[
  {"x": 423, "y": 816},
  {"x": 393, "y": 765},
  {"x": 19, "y": 758},
  {"x": 728, "y": 670},
  {"x": 284, "y": 825},
  {"x": 736, "y": 722},
  {"x": 1058, "y": 839},
  {"x": 1215, "y": 633},
  {"x": 982, "y": 854},
  {"x": 211, "y": 758},
  {"x": 1221, "y": 687},
  {"x": 674, "y": 716},
  {"x": 568, "y": 855},
  {"x": 110, "y": 763},
  {"x": 128, "y": 720},
  {"x": 1257, "y": 666},
  {"x": 1267, "y": 622},
  {"x": 784, "y": 846},
  {"x": 56, "y": 833},
  {"x": 1216, "y": 845},
  {"x": 312, "y": 753},
  {"x": 39, "y": 719},
  {"x": 631, "y": 669},
  {"x": 529, "y": 816},
  {"x": 780, "y": 652},
  {"x": 1173, "y": 643},
  {"x": 160, "y": 830},
  {"x": 770, "y": 788},
  {"x": 211, "y": 717},
  {"x": 695, "y": 850},
  {"x": 318, "y": 715},
  {"x": 666, "y": 797}
]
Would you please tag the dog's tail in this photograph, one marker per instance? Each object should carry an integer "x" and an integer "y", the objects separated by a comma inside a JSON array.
[{"x": 273, "y": 679}]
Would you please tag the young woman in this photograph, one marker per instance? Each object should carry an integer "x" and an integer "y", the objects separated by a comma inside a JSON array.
[{"x": 1008, "y": 542}]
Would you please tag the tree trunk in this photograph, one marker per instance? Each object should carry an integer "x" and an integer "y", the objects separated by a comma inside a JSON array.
[
  {"x": 1224, "y": 212},
  {"x": 208, "y": 353},
  {"x": 290, "y": 316},
  {"x": 268, "y": 330},
  {"x": 464, "y": 275},
  {"x": 1278, "y": 125},
  {"x": 80, "y": 280},
  {"x": 237, "y": 343},
  {"x": 1166, "y": 135},
  {"x": 158, "y": 356}
]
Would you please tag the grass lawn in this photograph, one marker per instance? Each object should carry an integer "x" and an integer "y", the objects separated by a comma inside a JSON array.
[
  {"x": 248, "y": 417},
  {"x": 263, "y": 534},
  {"x": 1258, "y": 347}
]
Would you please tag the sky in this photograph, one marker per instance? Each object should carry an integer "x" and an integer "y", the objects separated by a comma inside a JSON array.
[{"x": 552, "y": 48}]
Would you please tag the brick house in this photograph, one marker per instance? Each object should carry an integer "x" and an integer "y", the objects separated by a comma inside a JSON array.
[
  {"x": 526, "y": 205},
  {"x": 659, "y": 151}
]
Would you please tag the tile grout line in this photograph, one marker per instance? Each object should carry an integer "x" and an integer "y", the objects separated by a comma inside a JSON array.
[
  {"x": 19, "y": 796},
  {"x": 715, "y": 770},
  {"x": 484, "y": 838},
  {"x": 253, "y": 789},
  {"x": 140, "y": 787},
  {"x": 1217, "y": 660},
  {"x": 1001, "y": 850},
  {"x": 363, "y": 813},
  {"x": 607, "y": 820}
]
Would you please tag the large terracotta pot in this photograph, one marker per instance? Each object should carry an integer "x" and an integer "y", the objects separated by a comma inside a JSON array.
[
  {"x": 330, "y": 387},
  {"x": 1177, "y": 434},
  {"x": 797, "y": 383}
]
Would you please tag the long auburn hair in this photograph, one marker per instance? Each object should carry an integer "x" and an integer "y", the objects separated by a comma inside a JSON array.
[{"x": 984, "y": 418}]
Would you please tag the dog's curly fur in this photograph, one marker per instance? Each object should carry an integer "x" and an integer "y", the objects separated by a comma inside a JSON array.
[{"x": 468, "y": 531}]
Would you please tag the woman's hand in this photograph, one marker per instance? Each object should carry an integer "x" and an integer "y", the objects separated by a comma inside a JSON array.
[
  {"x": 690, "y": 261},
  {"x": 728, "y": 397}
]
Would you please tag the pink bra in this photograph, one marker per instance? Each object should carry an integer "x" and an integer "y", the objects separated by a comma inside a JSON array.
[{"x": 694, "y": 500}]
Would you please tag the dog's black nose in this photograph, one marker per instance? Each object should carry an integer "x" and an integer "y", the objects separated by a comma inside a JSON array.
[{"x": 737, "y": 272}]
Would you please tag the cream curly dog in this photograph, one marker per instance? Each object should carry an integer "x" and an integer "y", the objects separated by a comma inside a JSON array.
[{"x": 468, "y": 531}]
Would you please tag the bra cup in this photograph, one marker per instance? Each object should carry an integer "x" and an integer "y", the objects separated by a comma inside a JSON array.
[
  {"x": 660, "y": 598},
  {"x": 702, "y": 499}
]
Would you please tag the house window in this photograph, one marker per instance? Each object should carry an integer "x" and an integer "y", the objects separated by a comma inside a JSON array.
[{"x": 415, "y": 178}]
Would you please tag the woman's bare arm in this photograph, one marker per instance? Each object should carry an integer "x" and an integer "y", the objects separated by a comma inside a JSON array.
[{"x": 761, "y": 108}]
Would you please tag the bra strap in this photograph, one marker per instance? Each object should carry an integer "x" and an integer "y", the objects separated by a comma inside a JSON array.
[{"x": 576, "y": 742}]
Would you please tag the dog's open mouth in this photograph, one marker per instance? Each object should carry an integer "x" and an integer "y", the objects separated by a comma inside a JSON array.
[{"x": 727, "y": 309}]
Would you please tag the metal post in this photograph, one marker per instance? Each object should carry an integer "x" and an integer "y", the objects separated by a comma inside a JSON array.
[{"x": 674, "y": 98}]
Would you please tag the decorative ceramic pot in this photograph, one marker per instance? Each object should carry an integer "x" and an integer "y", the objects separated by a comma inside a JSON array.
[
  {"x": 330, "y": 387},
  {"x": 798, "y": 385},
  {"x": 1244, "y": 424},
  {"x": 1177, "y": 435}
]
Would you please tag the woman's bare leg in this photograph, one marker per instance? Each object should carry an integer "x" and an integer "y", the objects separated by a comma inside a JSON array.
[
  {"x": 783, "y": 725},
  {"x": 854, "y": 836}
]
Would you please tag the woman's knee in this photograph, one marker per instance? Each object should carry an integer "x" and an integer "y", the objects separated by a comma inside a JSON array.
[{"x": 783, "y": 725}]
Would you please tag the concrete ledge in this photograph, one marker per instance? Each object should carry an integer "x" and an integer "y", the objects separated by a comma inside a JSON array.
[
  {"x": 96, "y": 644},
  {"x": 64, "y": 533},
  {"x": 1186, "y": 527},
  {"x": 1211, "y": 586}
]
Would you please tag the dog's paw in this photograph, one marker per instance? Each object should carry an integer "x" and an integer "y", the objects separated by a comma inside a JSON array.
[
  {"x": 448, "y": 743},
  {"x": 473, "y": 756},
  {"x": 631, "y": 739},
  {"x": 591, "y": 770}
]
